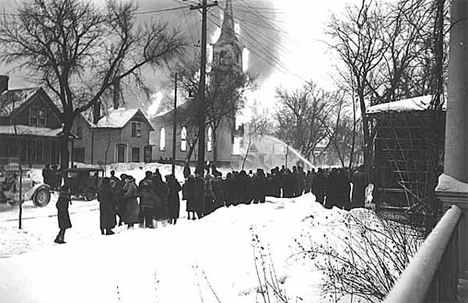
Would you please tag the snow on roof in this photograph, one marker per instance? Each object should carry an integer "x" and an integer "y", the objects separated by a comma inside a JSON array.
[
  {"x": 116, "y": 118},
  {"x": 29, "y": 130},
  {"x": 12, "y": 99},
  {"x": 411, "y": 104}
]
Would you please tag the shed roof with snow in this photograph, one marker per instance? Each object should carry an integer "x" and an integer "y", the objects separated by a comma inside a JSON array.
[{"x": 411, "y": 104}]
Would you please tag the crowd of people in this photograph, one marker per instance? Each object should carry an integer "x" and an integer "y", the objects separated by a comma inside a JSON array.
[{"x": 154, "y": 201}]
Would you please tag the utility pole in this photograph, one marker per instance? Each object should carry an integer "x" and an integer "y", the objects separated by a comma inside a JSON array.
[
  {"x": 174, "y": 127},
  {"x": 201, "y": 87}
]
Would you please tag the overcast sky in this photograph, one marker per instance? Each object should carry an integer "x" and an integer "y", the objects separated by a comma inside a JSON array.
[{"x": 290, "y": 32}]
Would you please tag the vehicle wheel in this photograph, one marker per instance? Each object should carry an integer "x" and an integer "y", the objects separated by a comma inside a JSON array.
[
  {"x": 41, "y": 197},
  {"x": 90, "y": 194}
]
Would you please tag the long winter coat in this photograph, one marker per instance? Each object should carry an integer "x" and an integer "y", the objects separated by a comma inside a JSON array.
[
  {"x": 188, "y": 192},
  {"x": 131, "y": 209},
  {"x": 260, "y": 186},
  {"x": 199, "y": 196},
  {"x": 106, "y": 207},
  {"x": 162, "y": 191},
  {"x": 147, "y": 195},
  {"x": 359, "y": 187},
  {"x": 173, "y": 198},
  {"x": 63, "y": 215}
]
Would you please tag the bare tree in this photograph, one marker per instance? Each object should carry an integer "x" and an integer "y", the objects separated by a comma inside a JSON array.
[
  {"x": 387, "y": 53},
  {"x": 78, "y": 50},
  {"x": 301, "y": 117}
]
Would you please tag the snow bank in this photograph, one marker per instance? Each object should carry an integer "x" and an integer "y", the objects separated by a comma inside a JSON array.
[{"x": 209, "y": 260}]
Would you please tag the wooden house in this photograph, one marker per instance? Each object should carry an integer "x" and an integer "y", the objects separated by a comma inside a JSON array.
[
  {"x": 407, "y": 150},
  {"x": 29, "y": 125},
  {"x": 120, "y": 136}
]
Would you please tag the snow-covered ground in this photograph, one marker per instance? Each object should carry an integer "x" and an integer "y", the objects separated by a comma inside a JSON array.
[{"x": 214, "y": 259}]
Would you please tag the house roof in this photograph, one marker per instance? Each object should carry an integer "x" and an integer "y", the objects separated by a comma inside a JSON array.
[
  {"x": 25, "y": 130},
  {"x": 13, "y": 99},
  {"x": 411, "y": 104},
  {"x": 118, "y": 118}
]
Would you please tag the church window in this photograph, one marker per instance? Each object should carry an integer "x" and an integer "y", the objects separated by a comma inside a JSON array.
[
  {"x": 183, "y": 139},
  {"x": 162, "y": 139},
  {"x": 209, "y": 143}
]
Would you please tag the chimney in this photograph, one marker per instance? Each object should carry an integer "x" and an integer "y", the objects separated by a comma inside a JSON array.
[
  {"x": 96, "y": 112},
  {"x": 116, "y": 91},
  {"x": 3, "y": 83}
]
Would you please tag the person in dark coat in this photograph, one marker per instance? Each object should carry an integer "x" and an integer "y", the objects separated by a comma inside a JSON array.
[
  {"x": 63, "y": 215},
  {"x": 319, "y": 186},
  {"x": 131, "y": 208},
  {"x": 244, "y": 187},
  {"x": 118, "y": 196},
  {"x": 173, "y": 198},
  {"x": 359, "y": 180},
  {"x": 199, "y": 193},
  {"x": 147, "y": 202},
  {"x": 113, "y": 177},
  {"x": 229, "y": 187},
  {"x": 186, "y": 171},
  {"x": 188, "y": 194},
  {"x": 46, "y": 172},
  {"x": 219, "y": 189},
  {"x": 209, "y": 195},
  {"x": 106, "y": 207},
  {"x": 162, "y": 192},
  {"x": 260, "y": 186}
]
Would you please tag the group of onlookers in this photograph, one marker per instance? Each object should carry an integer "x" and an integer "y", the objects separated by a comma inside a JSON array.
[
  {"x": 155, "y": 201},
  {"x": 146, "y": 204}
]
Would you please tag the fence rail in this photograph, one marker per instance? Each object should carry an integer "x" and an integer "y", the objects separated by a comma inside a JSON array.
[{"x": 432, "y": 275}]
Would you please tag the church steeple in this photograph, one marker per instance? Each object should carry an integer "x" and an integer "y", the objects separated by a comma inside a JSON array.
[
  {"x": 227, "y": 51},
  {"x": 228, "y": 33}
]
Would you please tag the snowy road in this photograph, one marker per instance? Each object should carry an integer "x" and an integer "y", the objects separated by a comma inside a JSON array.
[{"x": 39, "y": 225}]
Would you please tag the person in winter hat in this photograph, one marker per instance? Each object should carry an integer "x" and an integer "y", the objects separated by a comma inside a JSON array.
[
  {"x": 131, "y": 209},
  {"x": 63, "y": 215},
  {"x": 106, "y": 207}
]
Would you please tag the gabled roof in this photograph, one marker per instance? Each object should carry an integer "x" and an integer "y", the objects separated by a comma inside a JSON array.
[
  {"x": 118, "y": 118},
  {"x": 12, "y": 100},
  {"x": 25, "y": 130},
  {"x": 405, "y": 105}
]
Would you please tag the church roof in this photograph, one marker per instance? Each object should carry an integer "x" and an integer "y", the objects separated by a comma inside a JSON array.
[{"x": 228, "y": 33}]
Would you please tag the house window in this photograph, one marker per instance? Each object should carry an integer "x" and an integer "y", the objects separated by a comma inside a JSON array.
[
  {"x": 33, "y": 116},
  {"x": 121, "y": 150},
  {"x": 136, "y": 129},
  {"x": 148, "y": 153},
  {"x": 209, "y": 143},
  {"x": 183, "y": 139},
  {"x": 79, "y": 132},
  {"x": 78, "y": 154},
  {"x": 135, "y": 154},
  {"x": 162, "y": 139},
  {"x": 41, "y": 118}
]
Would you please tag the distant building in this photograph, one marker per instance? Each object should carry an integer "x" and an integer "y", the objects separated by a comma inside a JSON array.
[
  {"x": 120, "y": 136},
  {"x": 29, "y": 125}
]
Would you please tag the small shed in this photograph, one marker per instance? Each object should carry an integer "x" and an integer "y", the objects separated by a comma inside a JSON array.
[{"x": 408, "y": 149}]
